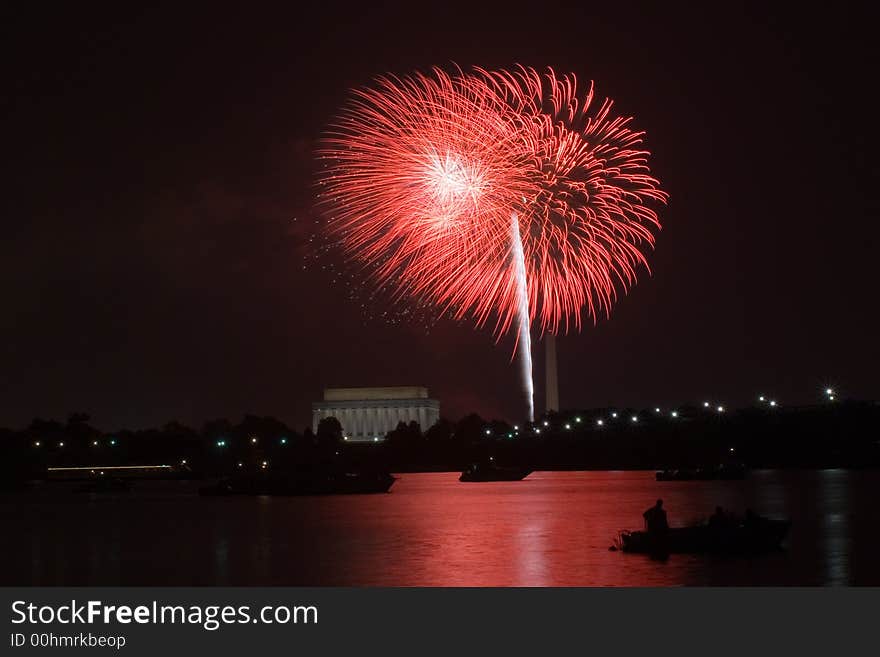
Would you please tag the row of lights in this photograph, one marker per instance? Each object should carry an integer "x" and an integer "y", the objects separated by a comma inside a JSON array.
[
  {"x": 254, "y": 441},
  {"x": 829, "y": 394},
  {"x": 95, "y": 443}
]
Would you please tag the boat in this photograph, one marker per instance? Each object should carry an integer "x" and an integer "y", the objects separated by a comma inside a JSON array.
[
  {"x": 303, "y": 483},
  {"x": 491, "y": 472},
  {"x": 104, "y": 485},
  {"x": 756, "y": 535},
  {"x": 332, "y": 483},
  {"x": 723, "y": 472}
]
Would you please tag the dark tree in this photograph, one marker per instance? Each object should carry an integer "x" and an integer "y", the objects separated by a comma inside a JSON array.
[{"x": 329, "y": 431}]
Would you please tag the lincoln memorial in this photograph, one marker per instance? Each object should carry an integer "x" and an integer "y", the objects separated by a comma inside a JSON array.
[{"x": 367, "y": 414}]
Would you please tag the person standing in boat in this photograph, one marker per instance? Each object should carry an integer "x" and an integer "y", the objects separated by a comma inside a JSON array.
[{"x": 655, "y": 519}]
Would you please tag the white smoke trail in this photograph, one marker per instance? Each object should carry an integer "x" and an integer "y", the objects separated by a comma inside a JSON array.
[{"x": 524, "y": 337}]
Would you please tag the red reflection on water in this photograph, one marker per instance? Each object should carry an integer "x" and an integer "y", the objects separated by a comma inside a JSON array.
[{"x": 552, "y": 529}]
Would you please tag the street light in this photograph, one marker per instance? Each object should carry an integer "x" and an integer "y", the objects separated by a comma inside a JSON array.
[
  {"x": 600, "y": 422},
  {"x": 674, "y": 413}
]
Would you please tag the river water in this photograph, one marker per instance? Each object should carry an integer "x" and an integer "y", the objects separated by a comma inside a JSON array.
[{"x": 552, "y": 529}]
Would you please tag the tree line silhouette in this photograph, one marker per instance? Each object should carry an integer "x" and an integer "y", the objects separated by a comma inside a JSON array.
[{"x": 833, "y": 435}]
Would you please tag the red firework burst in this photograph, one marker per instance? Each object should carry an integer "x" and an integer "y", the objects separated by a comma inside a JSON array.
[{"x": 424, "y": 175}]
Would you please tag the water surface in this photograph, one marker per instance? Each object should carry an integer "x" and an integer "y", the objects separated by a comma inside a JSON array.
[{"x": 553, "y": 529}]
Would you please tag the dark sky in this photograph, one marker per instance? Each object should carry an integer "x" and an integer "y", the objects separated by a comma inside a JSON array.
[{"x": 153, "y": 161}]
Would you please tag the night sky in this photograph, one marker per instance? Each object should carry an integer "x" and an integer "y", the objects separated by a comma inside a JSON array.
[{"x": 154, "y": 164}]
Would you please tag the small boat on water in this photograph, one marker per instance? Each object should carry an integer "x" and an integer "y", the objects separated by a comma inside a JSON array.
[
  {"x": 104, "y": 485},
  {"x": 723, "y": 472},
  {"x": 332, "y": 483},
  {"x": 491, "y": 472},
  {"x": 313, "y": 483},
  {"x": 755, "y": 535}
]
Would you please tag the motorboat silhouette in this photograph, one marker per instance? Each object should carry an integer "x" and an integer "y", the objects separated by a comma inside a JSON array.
[
  {"x": 320, "y": 482},
  {"x": 753, "y": 535},
  {"x": 489, "y": 471}
]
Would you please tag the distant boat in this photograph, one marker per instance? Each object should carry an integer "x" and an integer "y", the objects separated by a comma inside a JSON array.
[
  {"x": 752, "y": 537},
  {"x": 492, "y": 472},
  {"x": 332, "y": 483},
  {"x": 714, "y": 473},
  {"x": 104, "y": 485},
  {"x": 305, "y": 483}
]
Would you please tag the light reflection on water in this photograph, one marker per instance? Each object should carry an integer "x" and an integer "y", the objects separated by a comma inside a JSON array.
[{"x": 553, "y": 529}]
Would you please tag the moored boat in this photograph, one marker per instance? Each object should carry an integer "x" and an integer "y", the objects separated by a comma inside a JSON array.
[
  {"x": 492, "y": 472},
  {"x": 104, "y": 485},
  {"x": 303, "y": 483},
  {"x": 723, "y": 472}
]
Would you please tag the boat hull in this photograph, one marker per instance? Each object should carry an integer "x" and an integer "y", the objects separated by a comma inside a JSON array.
[
  {"x": 342, "y": 483},
  {"x": 495, "y": 474},
  {"x": 763, "y": 536}
]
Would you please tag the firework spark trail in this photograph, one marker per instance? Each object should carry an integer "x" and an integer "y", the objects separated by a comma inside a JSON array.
[{"x": 524, "y": 335}]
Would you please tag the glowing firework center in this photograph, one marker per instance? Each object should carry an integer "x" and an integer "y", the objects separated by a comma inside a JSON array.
[{"x": 367, "y": 414}]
